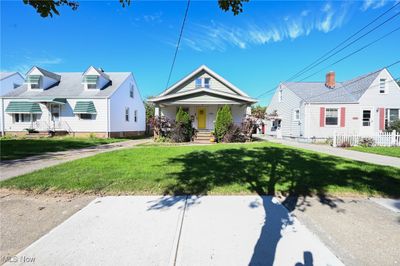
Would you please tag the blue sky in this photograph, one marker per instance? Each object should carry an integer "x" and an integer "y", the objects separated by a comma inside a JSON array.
[{"x": 268, "y": 43}]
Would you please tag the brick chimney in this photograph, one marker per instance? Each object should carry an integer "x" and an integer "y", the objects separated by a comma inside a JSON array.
[{"x": 330, "y": 80}]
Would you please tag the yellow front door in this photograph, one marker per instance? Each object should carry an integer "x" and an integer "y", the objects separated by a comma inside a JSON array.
[{"x": 201, "y": 117}]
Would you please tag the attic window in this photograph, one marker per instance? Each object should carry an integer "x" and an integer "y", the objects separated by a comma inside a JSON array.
[
  {"x": 90, "y": 81},
  {"x": 382, "y": 86},
  {"x": 198, "y": 83},
  {"x": 207, "y": 83},
  {"x": 34, "y": 81}
]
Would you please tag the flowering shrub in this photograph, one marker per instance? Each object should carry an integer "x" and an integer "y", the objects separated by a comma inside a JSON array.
[{"x": 366, "y": 142}]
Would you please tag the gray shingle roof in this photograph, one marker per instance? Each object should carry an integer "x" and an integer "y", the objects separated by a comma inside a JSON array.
[
  {"x": 49, "y": 74},
  {"x": 344, "y": 92},
  {"x": 70, "y": 86},
  {"x": 4, "y": 75}
]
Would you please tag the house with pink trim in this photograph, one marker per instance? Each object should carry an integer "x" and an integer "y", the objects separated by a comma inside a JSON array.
[{"x": 365, "y": 105}]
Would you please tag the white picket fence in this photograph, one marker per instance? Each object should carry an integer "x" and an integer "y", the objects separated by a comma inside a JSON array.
[{"x": 380, "y": 139}]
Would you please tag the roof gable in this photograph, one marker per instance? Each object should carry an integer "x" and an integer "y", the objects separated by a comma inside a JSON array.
[
  {"x": 202, "y": 70},
  {"x": 44, "y": 72}
]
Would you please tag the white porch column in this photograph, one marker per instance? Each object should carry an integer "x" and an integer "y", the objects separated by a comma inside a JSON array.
[
  {"x": 157, "y": 111},
  {"x": 248, "y": 110}
]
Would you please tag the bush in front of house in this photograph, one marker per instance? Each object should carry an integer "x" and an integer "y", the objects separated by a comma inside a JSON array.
[
  {"x": 366, "y": 142},
  {"x": 394, "y": 125},
  {"x": 162, "y": 127},
  {"x": 234, "y": 134},
  {"x": 223, "y": 121},
  {"x": 182, "y": 129}
]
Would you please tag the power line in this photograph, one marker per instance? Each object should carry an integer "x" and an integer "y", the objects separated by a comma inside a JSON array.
[
  {"x": 340, "y": 44},
  {"x": 177, "y": 45},
  {"x": 318, "y": 60},
  {"x": 352, "y": 53}
]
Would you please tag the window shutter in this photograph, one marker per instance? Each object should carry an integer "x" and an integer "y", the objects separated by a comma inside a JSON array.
[
  {"x": 381, "y": 118},
  {"x": 342, "y": 116},
  {"x": 322, "y": 117}
]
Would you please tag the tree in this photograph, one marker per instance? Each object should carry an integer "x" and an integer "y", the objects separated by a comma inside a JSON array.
[
  {"x": 150, "y": 109},
  {"x": 258, "y": 111},
  {"x": 50, "y": 7},
  {"x": 222, "y": 122}
]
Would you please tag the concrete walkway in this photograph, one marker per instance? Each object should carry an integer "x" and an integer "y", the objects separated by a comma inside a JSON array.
[
  {"x": 349, "y": 154},
  {"x": 12, "y": 168},
  {"x": 154, "y": 230}
]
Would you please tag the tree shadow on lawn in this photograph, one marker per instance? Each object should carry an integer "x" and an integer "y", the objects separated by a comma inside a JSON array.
[{"x": 266, "y": 170}]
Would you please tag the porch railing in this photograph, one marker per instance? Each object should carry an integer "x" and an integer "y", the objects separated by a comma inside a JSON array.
[{"x": 53, "y": 126}]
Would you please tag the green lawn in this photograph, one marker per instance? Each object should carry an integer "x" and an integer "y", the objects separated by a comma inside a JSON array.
[
  {"x": 22, "y": 148},
  {"x": 262, "y": 168},
  {"x": 388, "y": 151}
]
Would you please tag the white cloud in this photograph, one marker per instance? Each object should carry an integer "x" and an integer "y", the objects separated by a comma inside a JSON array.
[
  {"x": 219, "y": 36},
  {"x": 29, "y": 62},
  {"x": 374, "y": 4}
]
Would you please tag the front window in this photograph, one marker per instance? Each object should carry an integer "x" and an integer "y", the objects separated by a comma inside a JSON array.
[
  {"x": 135, "y": 116},
  {"x": 34, "y": 81},
  {"x": 382, "y": 85},
  {"x": 198, "y": 83},
  {"x": 131, "y": 92},
  {"x": 127, "y": 114},
  {"x": 280, "y": 96},
  {"x": 24, "y": 118},
  {"x": 86, "y": 116},
  {"x": 332, "y": 116},
  {"x": 207, "y": 83},
  {"x": 90, "y": 81},
  {"x": 391, "y": 115},
  {"x": 366, "y": 120}
]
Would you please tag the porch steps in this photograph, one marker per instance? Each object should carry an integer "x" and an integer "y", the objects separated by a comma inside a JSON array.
[{"x": 203, "y": 137}]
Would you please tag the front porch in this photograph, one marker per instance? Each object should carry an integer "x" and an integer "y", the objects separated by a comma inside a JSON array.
[{"x": 203, "y": 116}]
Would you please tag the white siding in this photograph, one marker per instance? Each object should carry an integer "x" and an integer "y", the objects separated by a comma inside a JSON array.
[
  {"x": 67, "y": 117},
  {"x": 285, "y": 109},
  {"x": 214, "y": 84},
  {"x": 121, "y": 100},
  {"x": 313, "y": 128}
]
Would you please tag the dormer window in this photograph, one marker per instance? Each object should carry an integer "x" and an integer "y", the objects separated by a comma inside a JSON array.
[
  {"x": 33, "y": 81},
  {"x": 198, "y": 83},
  {"x": 131, "y": 91},
  {"x": 90, "y": 81},
  {"x": 207, "y": 83},
  {"x": 202, "y": 83}
]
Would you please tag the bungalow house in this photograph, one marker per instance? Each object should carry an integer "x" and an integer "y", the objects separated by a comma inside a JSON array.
[
  {"x": 315, "y": 110},
  {"x": 8, "y": 82},
  {"x": 104, "y": 104},
  {"x": 200, "y": 94}
]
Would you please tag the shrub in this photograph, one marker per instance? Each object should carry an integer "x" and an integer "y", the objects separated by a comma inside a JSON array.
[
  {"x": 366, "y": 142},
  {"x": 345, "y": 144},
  {"x": 162, "y": 126},
  {"x": 328, "y": 141},
  {"x": 31, "y": 130},
  {"x": 222, "y": 122},
  {"x": 249, "y": 126},
  {"x": 395, "y": 125},
  {"x": 182, "y": 129},
  {"x": 234, "y": 134}
]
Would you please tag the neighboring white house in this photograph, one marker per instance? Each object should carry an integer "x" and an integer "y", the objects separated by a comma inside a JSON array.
[
  {"x": 8, "y": 82},
  {"x": 201, "y": 93},
  {"x": 105, "y": 104},
  {"x": 364, "y": 105}
]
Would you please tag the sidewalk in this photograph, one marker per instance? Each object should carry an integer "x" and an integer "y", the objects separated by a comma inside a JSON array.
[
  {"x": 349, "y": 154},
  {"x": 154, "y": 230},
  {"x": 12, "y": 168}
]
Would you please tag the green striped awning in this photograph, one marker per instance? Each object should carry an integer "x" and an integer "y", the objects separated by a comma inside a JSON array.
[
  {"x": 82, "y": 107},
  {"x": 23, "y": 108},
  {"x": 33, "y": 79},
  {"x": 90, "y": 79}
]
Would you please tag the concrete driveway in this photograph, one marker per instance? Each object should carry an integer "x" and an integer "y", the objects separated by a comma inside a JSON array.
[{"x": 152, "y": 230}]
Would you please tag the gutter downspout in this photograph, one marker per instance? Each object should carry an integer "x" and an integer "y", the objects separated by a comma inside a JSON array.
[{"x": 108, "y": 118}]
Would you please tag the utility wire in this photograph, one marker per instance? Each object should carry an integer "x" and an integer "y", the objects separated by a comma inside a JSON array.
[
  {"x": 352, "y": 53},
  {"x": 318, "y": 60},
  {"x": 340, "y": 44},
  {"x": 177, "y": 45}
]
